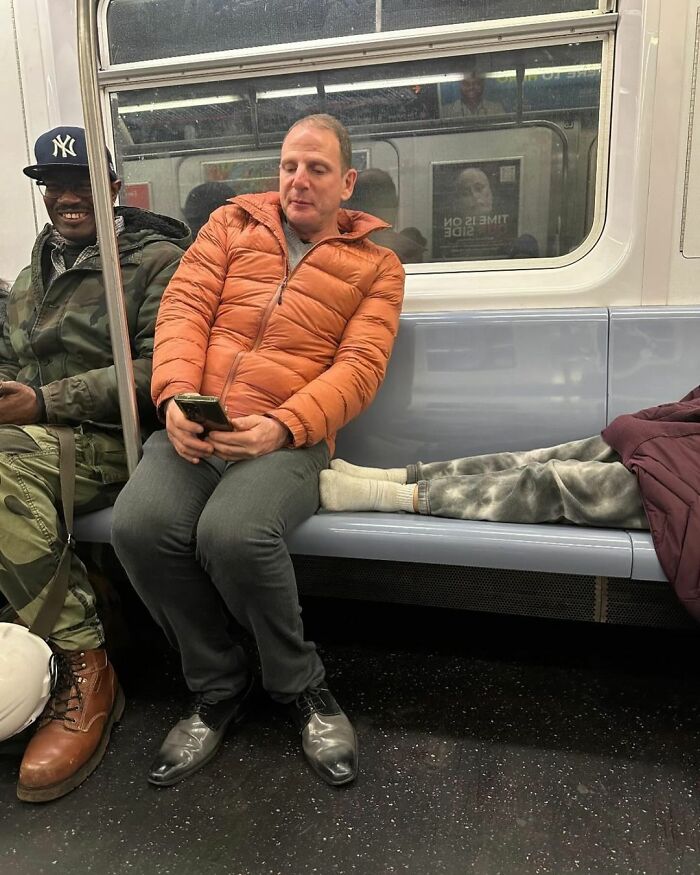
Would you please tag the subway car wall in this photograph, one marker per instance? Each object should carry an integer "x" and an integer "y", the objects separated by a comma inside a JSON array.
[{"x": 547, "y": 171}]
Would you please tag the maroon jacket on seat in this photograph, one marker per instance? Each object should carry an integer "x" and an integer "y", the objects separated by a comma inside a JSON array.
[{"x": 661, "y": 445}]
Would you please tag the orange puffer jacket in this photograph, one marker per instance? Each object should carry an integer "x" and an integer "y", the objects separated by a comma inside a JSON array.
[{"x": 308, "y": 346}]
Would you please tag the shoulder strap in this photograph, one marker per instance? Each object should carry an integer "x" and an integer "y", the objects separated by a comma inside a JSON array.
[{"x": 58, "y": 587}]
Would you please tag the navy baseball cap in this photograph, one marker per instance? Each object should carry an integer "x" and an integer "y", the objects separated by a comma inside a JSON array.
[{"x": 60, "y": 148}]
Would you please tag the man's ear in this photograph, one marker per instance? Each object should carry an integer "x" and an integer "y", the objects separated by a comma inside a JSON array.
[
  {"x": 349, "y": 182},
  {"x": 115, "y": 188}
]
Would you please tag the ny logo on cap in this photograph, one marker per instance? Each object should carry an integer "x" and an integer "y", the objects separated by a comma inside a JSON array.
[{"x": 65, "y": 144}]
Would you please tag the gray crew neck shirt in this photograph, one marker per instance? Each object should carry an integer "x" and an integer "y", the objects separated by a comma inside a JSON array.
[{"x": 295, "y": 246}]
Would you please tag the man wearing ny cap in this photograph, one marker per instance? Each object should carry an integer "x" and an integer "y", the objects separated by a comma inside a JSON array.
[{"x": 56, "y": 368}]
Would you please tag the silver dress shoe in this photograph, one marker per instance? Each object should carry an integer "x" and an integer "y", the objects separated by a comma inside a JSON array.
[
  {"x": 195, "y": 740},
  {"x": 327, "y": 736}
]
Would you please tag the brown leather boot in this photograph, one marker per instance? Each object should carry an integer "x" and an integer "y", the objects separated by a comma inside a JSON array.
[{"x": 73, "y": 731}]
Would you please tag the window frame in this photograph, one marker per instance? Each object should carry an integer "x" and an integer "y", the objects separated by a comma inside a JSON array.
[{"x": 410, "y": 45}]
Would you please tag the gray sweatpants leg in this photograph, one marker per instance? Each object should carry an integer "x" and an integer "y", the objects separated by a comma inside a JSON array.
[
  {"x": 581, "y": 482},
  {"x": 200, "y": 540}
]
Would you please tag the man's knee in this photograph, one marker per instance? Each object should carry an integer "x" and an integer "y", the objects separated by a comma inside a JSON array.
[
  {"x": 135, "y": 519},
  {"x": 240, "y": 540}
]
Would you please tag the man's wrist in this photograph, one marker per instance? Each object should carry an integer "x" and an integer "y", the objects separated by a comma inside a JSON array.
[
  {"x": 162, "y": 409},
  {"x": 288, "y": 436},
  {"x": 40, "y": 405}
]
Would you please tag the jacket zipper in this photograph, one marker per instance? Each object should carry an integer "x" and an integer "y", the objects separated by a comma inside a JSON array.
[
  {"x": 285, "y": 282},
  {"x": 275, "y": 300}
]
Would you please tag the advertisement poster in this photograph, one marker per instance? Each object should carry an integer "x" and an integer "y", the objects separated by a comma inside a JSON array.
[
  {"x": 137, "y": 194},
  {"x": 249, "y": 175},
  {"x": 475, "y": 208}
]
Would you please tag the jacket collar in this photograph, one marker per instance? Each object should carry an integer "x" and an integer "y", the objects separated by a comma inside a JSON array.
[{"x": 266, "y": 208}]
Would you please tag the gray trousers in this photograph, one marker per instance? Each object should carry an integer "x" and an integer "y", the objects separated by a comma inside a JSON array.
[
  {"x": 581, "y": 482},
  {"x": 205, "y": 542}
]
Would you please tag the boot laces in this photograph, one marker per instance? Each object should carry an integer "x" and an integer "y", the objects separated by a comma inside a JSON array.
[{"x": 66, "y": 680}]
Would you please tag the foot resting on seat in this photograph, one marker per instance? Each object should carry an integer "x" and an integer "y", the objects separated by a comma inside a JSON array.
[
  {"x": 327, "y": 736},
  {"x": 74, "y": 729},
  {"x": 394, "y": 475},
  {"x": 196, "y": 739},
  {"x": 344, "y": 492}
]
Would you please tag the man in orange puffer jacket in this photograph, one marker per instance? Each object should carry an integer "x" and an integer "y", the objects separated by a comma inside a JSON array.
[{"x": 285, "y": 310}]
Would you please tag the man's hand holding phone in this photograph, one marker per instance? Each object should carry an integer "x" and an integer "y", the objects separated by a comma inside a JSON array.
[
  {"x": 198, "y": 427},
  {"x": 185, "y": 435},
  {"x": 252, "y": 436},
  {"x": 205, "y": 410}
]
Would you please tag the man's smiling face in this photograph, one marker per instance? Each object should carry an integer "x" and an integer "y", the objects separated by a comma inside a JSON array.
[{"x": 68, "y": 201}]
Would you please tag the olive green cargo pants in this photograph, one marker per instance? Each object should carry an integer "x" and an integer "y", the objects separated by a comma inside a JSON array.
[{"x": 31, "y": 531}]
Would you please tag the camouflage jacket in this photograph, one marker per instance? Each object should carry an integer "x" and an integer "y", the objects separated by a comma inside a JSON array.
[{"x": 57, "y": 339}]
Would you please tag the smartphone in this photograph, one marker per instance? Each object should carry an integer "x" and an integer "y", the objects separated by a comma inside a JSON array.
[{"x": 204, "y": 409}]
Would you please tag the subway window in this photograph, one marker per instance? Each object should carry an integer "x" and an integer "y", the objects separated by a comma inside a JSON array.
[
  {"x": 141, "y": 30},
  {"x": 488, "y": 156}
]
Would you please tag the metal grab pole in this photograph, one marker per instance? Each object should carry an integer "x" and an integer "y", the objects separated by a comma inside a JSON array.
[{"x": 104, "y": 220}]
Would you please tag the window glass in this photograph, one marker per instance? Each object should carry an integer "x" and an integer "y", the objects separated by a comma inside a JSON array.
[
  {"x": 403, "y": 14},
  {"x": 480, "y": 157},
  {"x": 141, "y": 30}
]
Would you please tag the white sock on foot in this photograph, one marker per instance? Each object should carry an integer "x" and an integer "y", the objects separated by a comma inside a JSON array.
[
  {"x": 343, "y": 492},
  {"x": 393, "y": 475}
]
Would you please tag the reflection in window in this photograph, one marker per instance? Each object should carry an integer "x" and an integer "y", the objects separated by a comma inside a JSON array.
[
  {"x": 203, "y": 199},
  {"x": 375, "y": 193},
  {"x": 143, "y": 30},
  {"x": 487, "y": 157}
]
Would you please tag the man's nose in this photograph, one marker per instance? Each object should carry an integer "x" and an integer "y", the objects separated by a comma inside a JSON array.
[
  {"x": 301, "y": 178},
  {"x": 67, "y": 196}
]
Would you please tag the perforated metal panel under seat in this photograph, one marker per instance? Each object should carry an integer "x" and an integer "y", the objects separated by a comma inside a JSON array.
[
  {"x": 524, "y": 593},
  {"x": 645, "y": 603},
  {"x": 527, "y": 593}
]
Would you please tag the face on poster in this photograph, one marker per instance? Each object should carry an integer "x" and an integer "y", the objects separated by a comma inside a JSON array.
[{"x": 476, "y": 208}]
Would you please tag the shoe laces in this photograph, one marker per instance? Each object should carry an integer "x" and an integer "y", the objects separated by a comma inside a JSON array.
[
  {"x": 206, "y": 710},
  {"x": 66, "y": 682},
  {"x": 211, "y": 713},
  {"x": 196, "y": 705},
  {"x": 310, "y": 701}
]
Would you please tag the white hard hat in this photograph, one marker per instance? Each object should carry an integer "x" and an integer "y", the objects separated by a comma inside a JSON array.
[{"x": 25, "y": 678}]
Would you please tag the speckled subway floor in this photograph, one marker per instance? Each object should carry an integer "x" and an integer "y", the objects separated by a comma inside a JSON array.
[{"x": 488, "y": 745}]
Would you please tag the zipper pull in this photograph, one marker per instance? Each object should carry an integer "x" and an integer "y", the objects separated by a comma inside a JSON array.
[{"x": 280, "y": 291}]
